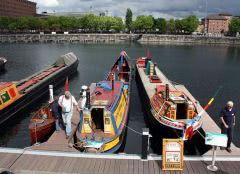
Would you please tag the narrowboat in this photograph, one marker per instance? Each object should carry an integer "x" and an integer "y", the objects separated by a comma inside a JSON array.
[
  {"x": 41, "y": 125},
  {"x": 15, "y": 96},
  {"x": 3, "y": 61},
  {"x": 168, "y": 108},
  {"x": 105, "y": 107}
]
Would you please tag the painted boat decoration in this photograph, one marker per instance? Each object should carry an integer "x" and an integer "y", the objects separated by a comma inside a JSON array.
[
  {"x": 41, "y": 125},
  {"x": 3, "y": 61},
  {"x": 15, "y": 96},
  {"x": 169, "y": 107},
  {"x": 105, "y": 107}
]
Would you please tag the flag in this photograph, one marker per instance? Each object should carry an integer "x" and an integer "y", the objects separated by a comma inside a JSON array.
[{"x": 66, "y": 84}]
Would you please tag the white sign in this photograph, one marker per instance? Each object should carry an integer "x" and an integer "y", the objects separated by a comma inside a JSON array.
[
  {"x": 173, "y": 157},
  {"x": 216, "y": 139},
  {"x": 173, "y": 146}
]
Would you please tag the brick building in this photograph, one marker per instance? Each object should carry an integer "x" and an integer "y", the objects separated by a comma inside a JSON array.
[
  {"x": 217, "y": 23},
  {"x": 17, "y": 8}
]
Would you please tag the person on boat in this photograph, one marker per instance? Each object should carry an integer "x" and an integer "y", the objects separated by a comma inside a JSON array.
[
  {"x": 66, "y": 103},
  {"x": 227, "y": 117},
  {"x": 56, "y": 113}
]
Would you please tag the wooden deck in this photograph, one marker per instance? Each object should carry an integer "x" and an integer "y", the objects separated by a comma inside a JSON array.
[
  {"x": 58, "y": 141},
  {"x": 30, "y": 163}
]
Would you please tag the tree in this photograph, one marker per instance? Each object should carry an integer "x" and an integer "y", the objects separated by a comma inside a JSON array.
[
  {"x": 34, "y": 23},
  {"x": 179, "y": 25},
  {"x": 171, "y": 26},
  {"x": 53, "y": 23},
  {"x": 234, "y": 26},
  {"x": 4, "y": 22},
  {"x": 161, "y": 25},
  {"x": 143, "y": 23},
  {"x": 22, "y": 23},
  {"x": 128, "y": 21},
  {"x": 191, "y": 23},
  {"x": 118, "y": 24}
]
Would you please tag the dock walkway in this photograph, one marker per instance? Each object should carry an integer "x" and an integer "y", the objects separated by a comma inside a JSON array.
[
  {"x": 58, "y": 141},
  {"x": 33, "y": 161}
]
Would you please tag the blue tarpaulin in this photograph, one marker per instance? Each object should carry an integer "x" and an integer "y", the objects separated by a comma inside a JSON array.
[{"x": 105, "y": 86}]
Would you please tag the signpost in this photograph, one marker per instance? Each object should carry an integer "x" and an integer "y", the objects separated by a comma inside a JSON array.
[
  {"x": 215, "y": 139},
  {"x": 172, "y": 155}
]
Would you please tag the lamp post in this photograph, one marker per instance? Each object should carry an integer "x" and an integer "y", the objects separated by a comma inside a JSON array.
[{"x": 205, "y": 21}]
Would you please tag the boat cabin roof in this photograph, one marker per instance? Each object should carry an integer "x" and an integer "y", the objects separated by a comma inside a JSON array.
[
  {"x": 103, "y": 94},
  {"x": 4, "y": 85}
]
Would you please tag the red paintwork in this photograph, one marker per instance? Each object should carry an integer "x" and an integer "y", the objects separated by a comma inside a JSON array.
[
  {"x": 42, "y": 129},
  {"x": 107, "y": 95},
  {"x": 37, "y": 78},
  {"x": 141, "y": 62},
  {"x": 160, "y": 88}
]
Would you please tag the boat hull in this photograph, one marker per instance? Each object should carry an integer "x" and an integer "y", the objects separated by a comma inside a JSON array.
[
  {"x": 118, "y": 109},
  {"x": 37, "y": 92},
  {"x": 40, "y": 132},
  {"x": 156, "y": 127},
  {"x": 121, "y": 137}
]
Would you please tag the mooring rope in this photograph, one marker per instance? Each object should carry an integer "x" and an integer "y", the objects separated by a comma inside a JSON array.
[{"x": 139, "y": 133}]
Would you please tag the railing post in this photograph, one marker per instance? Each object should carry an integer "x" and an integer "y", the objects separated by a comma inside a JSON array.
[{"x": 145, "y": 143}]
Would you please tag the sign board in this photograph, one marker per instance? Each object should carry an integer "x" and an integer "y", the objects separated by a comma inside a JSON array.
[
  {"x": 172, "y": 154},
  {"x": 216, "y": 139}
]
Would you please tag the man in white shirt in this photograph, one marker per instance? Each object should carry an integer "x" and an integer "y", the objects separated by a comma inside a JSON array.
[{"x": 66, "y": 102}]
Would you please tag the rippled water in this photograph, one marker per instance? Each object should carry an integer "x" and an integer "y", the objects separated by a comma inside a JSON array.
[{"x": 201, "y": 68}]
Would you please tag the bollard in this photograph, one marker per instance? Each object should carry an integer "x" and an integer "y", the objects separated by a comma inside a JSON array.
[
  {"x": 145, "y": 143},
  {"x": 51, "y": 93}
]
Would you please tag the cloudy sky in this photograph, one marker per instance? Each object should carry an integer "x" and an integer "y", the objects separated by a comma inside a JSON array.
[{"x": 157, "y": 8}]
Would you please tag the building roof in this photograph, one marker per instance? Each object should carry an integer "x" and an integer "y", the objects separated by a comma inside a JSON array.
[
  {"x": 225, "y": 14},
  {"x": 216, "y": 17}
]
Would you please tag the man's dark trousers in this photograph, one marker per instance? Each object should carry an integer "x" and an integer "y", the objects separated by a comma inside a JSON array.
[{"x": 229, "y": 132}]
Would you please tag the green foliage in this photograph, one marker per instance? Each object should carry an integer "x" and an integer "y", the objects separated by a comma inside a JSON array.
[
  {"x": 161, "y": 25},
  {"x": 190, "y": 24},
  {"x": 186, "y": 25},
  {"x": 234, "y": 26},
  {"x": 171, "y": 26},
  {"x": 93, "y": 23},
  {"x": 128, "y": 19},
  {"x": 143, "y": 23}
]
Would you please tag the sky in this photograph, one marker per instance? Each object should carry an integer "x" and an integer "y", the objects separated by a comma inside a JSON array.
[{"x": 157, "y": 8}]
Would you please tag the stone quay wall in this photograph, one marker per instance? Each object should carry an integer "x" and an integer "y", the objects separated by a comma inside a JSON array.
[{"x": 115, "y": 38}]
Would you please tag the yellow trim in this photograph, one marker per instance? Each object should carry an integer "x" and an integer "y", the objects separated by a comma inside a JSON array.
[
  {"x": 3, "y": 105},
  {"x": 118, "y": 114},
  {"x": 85, "y": 126},
  {"x": 111, "y": 144}
]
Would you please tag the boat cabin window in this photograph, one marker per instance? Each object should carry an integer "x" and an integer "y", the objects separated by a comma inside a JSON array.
[
  {"x": 97, "y": 118},
  {"x": 181, "y": 111},
  {"x": 5, "y": 97}
]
